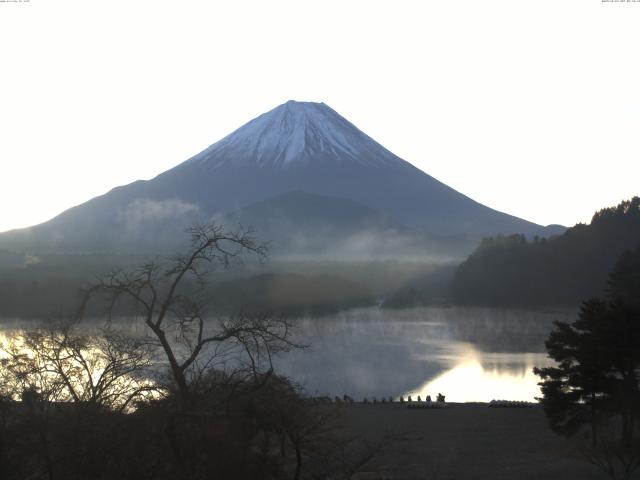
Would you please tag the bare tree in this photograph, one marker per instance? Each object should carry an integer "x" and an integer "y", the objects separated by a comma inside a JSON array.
[
  {"x": 57, "y": 363},
  {"x": 221, "y": 370},
  {"x": 70, "y": 382},
  {"x": 169, "y": 298}
]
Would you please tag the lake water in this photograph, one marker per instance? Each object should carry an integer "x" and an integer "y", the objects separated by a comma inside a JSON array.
[{"x": 466, "y": 354}]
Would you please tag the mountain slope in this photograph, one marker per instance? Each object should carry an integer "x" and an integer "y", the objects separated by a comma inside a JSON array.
[
  {"x": 303, "y": 224},
  {"x": 298, "y": 146}
]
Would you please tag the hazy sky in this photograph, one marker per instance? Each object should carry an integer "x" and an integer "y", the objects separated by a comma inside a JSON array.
[{"x": 531, "y": 107}]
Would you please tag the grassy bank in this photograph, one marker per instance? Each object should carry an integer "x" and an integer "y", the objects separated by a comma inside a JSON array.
[{"x": 464, "y": 441}]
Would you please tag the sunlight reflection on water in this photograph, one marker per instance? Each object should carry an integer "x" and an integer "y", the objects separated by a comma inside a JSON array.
[
  {"x": 482, "y": 377},
  {"x": 65, "y": 367},
  {"x": 465, "y": 354}
]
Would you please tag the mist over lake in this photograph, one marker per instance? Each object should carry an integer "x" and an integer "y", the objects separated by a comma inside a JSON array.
[{"x": 467, "y": 354}]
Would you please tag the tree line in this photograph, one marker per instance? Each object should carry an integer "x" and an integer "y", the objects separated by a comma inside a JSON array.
[
  {"x": 40, "y": 291},
  {"x": 562, "y": 270}
]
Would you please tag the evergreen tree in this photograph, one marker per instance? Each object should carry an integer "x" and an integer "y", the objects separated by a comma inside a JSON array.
[
  {"x": 578, "y": 390},
  {"x": 596, "y": 382},
  {"x": 624, "y": 280}
]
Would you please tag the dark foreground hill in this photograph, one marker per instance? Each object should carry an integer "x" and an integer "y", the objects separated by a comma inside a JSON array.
[{"x": 564, "y": 270}]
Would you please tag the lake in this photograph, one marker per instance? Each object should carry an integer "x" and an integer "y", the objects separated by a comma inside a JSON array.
[{"x": 467, "y": 354}]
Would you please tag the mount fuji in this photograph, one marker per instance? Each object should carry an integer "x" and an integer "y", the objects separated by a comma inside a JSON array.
[{"x": 301, "y": 163}]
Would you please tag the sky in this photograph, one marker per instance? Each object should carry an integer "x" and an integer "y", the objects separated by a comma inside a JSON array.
[{"x": 529, "y": 107}]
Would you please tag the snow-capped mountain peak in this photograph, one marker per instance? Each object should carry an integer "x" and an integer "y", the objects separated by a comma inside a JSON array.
[
  {"x": 299, "y": 147},
  {"x": 295, "y": 132}
]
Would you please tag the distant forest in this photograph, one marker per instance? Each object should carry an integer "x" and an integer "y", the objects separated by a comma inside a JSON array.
[
  {"x": 560, "y": 271},
  {"x": 24, "y": 294},
  {"x": 48, "y": 286},
  {"x": 510, "y": 271}
]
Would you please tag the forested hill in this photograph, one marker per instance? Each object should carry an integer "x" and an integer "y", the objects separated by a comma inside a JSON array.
[{"x": 563, "y": 270}]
